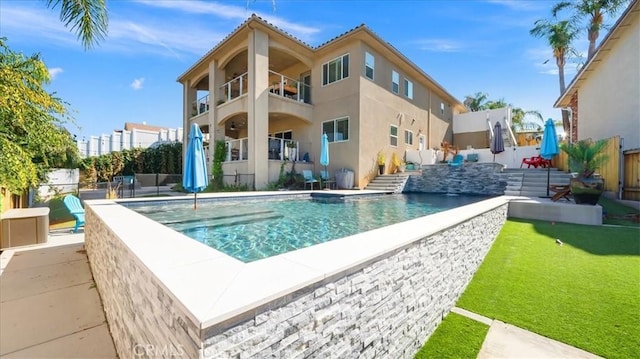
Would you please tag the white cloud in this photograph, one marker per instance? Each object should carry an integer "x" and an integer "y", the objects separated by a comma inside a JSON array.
[
  {"x": 233, "y": 12},
  {"x": 439, "y": 45},
  {"x": 55, "y": 71},
  {"x": 137, "y": 83}
]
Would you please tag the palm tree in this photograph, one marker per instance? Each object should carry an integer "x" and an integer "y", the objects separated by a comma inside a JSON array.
[
  {"x": 477, "y": 102},
  {"x": 88, "y": 18},
  {"x": 594, "y": 10},
  {"x": 560, "y": 35},
  {"x": 518, "y": 118}
]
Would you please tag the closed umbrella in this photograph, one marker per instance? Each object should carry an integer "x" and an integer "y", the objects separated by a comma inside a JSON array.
[
  {"x": 324, "y": 153},
  {"x": 194, "y": 178},
  {"x": 549, "y": 147},
  {"x": 497, "y": 143}
]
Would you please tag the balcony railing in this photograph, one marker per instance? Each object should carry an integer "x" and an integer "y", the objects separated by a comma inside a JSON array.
[
  {"x": 287, "y": 87},
  {"x": 200, "y": 106},
  {"x": 238, "y": 150},
  {"x": 279, "y": 149},
  {"x": 233, "y": 89}
]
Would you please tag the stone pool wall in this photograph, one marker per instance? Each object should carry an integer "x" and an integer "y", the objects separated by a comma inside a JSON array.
[
  {"x": 470, "y": 178},
  {"x": 385, "y": 308},
  {"x": 145, "y": 320}
]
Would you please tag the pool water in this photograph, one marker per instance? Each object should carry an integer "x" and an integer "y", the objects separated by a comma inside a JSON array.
[{"x": 252, "y": 229}]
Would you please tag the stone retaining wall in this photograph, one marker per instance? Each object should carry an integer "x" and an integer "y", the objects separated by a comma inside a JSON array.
[
  {"x": 470, "y": 178},
  {"x": 144, "y": 319},
  {"x": 385, "y": 309}
]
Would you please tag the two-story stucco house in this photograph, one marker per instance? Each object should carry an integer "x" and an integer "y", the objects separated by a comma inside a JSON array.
[
  {"x": 261, "y": 89},
  {"x": 604, "y": 96}
]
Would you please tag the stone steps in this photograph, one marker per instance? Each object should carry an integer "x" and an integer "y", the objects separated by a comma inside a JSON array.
[
  {"x": 533, "y": 182},
  {"x": 390, "y": 182}
]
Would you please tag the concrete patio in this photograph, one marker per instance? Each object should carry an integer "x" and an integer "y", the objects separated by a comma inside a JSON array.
[{"x": 49, "y": 304}]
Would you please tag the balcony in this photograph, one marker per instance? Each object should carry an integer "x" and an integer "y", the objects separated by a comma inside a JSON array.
[
  {"x": 200, "y": 106},
  {"x": 279, "y": 149},
  {"x": 233, "y": 89},
  {"x": 289, "y": 88}
]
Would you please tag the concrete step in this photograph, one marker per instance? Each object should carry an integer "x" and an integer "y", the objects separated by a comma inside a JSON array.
[
  {"x": 512, "y": 193},
  {"x": 534, "y": 193}
]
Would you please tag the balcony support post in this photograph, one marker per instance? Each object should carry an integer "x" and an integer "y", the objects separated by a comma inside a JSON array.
[{"x": 258, "y": 106}]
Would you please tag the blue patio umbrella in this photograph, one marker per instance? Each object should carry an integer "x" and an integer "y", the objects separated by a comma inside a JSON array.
[
  {"x": 194, "y": 177},
  {"x": 549, "y": 147},
  {"x": 497, "y": 142},
  {"x": 324, "y": 152}
]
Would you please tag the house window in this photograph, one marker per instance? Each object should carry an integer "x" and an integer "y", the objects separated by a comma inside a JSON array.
[
  {"x": 408, "y": 88},
  {"x": 408, "y": 137},
  {"x": 335, "y": 70},
  {"x": 337, "y": 130},
  {"x": 287, "y": 135},
  {"x": 442, "y": 108},
  {"x": 393, "y": 136},
  {"x": 395, "y": 82},
  {"x": 369, "y": 65}
]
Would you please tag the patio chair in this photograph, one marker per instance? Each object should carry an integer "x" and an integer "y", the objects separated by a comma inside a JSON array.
[
  {"x": 457, "y": 161},
  {"x": 535, "y": 161},
  {"x": 561, "y": 191},
  {"x": 324, "y": 177},
  {"x": 75, "y": 208},
  {"x": 308, "y": 178}
]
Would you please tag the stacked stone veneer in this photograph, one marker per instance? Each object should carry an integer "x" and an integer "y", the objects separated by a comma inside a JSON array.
[
  {"x": 144, "y": 319},
  {"x": 384, "y": 309},
  {"x": 470, "y": 178}
]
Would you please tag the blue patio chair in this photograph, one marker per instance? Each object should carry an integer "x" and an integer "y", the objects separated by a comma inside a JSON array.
[
  {"x": 308, "y": 178},
  {"x": 457, "y": 161},
  {"x": 75, "y": 208}
]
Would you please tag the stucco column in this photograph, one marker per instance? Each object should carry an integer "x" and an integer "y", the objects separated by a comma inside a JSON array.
[
  {"x": 216, "y": 79},
  {"x": 258, "y": 106},
  {"x": 188, "y": 98}
]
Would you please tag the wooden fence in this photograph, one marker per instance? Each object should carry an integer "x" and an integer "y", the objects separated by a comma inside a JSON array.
[
  {"x": 631, "y": 184},
  {"x": 9, "y": 200},
  {"x": 610, "y": 171}
]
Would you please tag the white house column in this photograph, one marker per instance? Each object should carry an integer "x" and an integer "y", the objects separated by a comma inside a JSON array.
[{"x": 258, "y": 106}]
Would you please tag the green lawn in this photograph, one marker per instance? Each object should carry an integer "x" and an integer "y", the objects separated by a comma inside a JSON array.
[
  {"x": 585, "y": 293},
  {"x": 456, "y": 337},
  {"x": 617, "y": 213}
]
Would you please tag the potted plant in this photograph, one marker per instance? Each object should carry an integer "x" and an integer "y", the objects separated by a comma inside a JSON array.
[
  {"x": 398, "y": 164},
  {"x": 381, "y": 160},
  {"x": 585, "y": 157}
]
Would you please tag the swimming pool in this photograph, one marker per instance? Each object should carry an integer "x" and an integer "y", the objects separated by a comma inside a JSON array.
[{"x": 252, "y": 229}]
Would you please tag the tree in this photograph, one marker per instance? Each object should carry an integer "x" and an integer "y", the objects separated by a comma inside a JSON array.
[
  {"x": 477, "y": 102},
  {"x": 88, "y": 18},
  {"x": 560, "y": 35},
  {"x": 31, "y": 135},
  {"x": 594, "y": 10}
]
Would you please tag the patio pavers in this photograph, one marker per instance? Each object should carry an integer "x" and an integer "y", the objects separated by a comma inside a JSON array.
[{"x": 49, "y": 305}]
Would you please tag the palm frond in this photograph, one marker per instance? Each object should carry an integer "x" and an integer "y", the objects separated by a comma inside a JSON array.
[{"x": 87, "y": 18}]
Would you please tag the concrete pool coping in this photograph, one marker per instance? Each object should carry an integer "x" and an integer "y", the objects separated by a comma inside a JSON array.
[{"x": 216, "y": 290}]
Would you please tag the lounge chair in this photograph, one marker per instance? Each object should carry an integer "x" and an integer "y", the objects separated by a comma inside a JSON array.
[
  {"x": 75, "y": 208},
  {"x": 324, "y": 177},
  {"x": 457, "y": 161},
  {"x": 308, "y": 178}
]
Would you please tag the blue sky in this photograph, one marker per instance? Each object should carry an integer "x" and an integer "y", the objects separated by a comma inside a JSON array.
[{"x": 465, "y": 45}]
